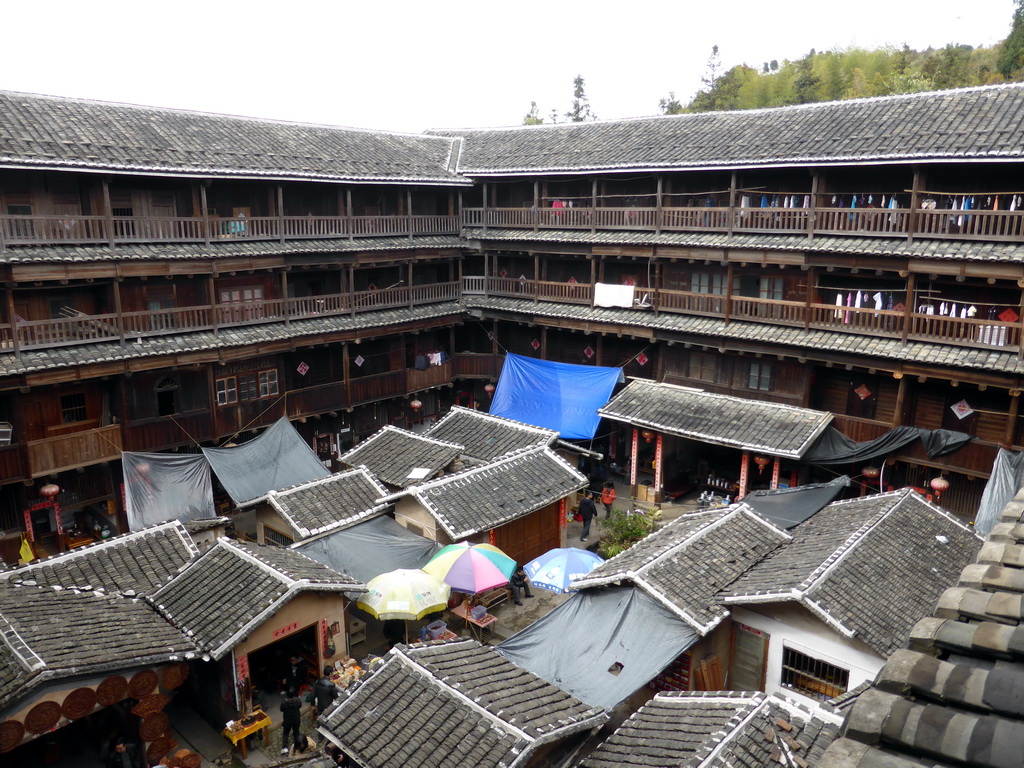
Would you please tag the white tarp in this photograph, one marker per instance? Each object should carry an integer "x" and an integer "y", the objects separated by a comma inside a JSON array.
[
  {"x": 1006, "y": 479},
  {"x": 277, "y": 459},
  {"x": 166, "y": 486},
  {"x": 601, "y": 644},
  {"x": 608, "y": 295}
]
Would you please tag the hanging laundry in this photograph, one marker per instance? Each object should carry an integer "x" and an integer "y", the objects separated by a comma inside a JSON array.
[
  {"x": 807, "y": 201},
  {"x": 839, "y": 303},
  {"x": 971, "y": 311}
]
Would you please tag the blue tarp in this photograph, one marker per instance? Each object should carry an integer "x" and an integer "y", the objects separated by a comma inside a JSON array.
[{"x": 558, "y": 396}]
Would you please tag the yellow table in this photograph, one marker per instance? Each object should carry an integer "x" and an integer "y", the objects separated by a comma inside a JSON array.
[{"x": 236, "y": 735}]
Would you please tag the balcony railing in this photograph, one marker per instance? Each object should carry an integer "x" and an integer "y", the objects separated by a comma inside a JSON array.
[
  {"x": 75, "y": 449},
  {"x": 81, "y": 230},
  {"x": 87, "y": 329},
  {"x": 877, "y": 222}
]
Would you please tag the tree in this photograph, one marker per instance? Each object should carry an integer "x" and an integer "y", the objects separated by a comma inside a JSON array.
[
  {"x": 712, "y": 71},
  {"x": 1011, "y": 53},
  {"x": 532, "y": 117},
  {"x": 580, "y": 110},
  {"x": 670, "y": 105}
]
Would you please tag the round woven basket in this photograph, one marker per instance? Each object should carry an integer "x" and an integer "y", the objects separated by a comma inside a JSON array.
[
  {"x": 174, "y": 675},
  {"x": 11, "y": 734},
  {"x": 191, "y": 760},
  {"x": 154, "y": 726},
  {"x": 111, "y": 690},
  {"x": 79, "y": 703},
  {"x": 148, "y": 705},
  {"x": 142, "y": 683},
  {"x": 159, "y": 748},
  {"x": 42, "y": 717}
]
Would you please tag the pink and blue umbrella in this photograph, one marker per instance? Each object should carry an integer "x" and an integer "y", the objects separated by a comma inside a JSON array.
[
  {"x": 557, "y": 569},
  {"x": 471, "y": 568}
]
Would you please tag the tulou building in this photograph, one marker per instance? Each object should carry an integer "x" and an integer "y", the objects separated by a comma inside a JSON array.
[{"x": 174, "y": 279}]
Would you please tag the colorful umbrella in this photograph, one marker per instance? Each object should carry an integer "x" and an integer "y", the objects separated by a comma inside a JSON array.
[
  {"x": 408, "y": 594},
  {"x": 471, "y": 568},
  {"x": 556, "y": 569}
]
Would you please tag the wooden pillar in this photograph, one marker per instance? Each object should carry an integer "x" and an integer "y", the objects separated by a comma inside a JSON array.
[
  {"x": 812, "y": 214},
  {"x": 345, "y": 376},
  {"x": 1010, "y": 434},
  {"x": 658, "y": 208},
  {"x": 120, "y": 314},
  {"x": 908, "y": 308},
  {"x": 915, "y": 204},
  {"x": 744, "y": 475},
  {"x": 348, "y": 214},
  {"x": 408, "y": 284},
  {"x": 811, "y": 293},
  {"x": 593, "y": 273},
  {"x": 483, "y": 213},
  {"x": 109, "y": 218},
  {"x": 352, "y": 289},
  {"x": 728, "y": 292},
  {"x": 280, "y": 215},
  {"x": 633, "y": 463},
  {"x": 593, "y": 206},
  {"x": 536, "y": 278},
  {"x": 659, "y": 469},
  {"x": 901, "y": 399},
  {"x": 205, "y": 213},
  {"x": 12, "y": 316},
  {"x": 285, "y": 301},
  {"x": 776, "y": 469},
  {"x": 535, "y": 211},
  {"x": 408, "y": 206},
  {"x": 544, "y": 343},
  {"x": 732, "y": 203},
  {"x": 211, "y": 290}
]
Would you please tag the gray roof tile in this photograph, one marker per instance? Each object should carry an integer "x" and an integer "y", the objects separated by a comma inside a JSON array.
[
  {"x": 392, "y": 454},
  {"x": 331, "y": 503},
  {"x": 487, "y": 437}
]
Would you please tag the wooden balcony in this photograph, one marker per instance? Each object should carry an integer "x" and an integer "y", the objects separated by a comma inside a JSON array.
[
  {"x": 866, "y": 222},
  {"x": 76, "y": 449},
  {"x": 162, "y": 432},
  {"x": 474, "y": 365},
  {"x": 431, "y": 376},
  {"x": 84, "y": 230},
  {"x": 367, "y": 389}
]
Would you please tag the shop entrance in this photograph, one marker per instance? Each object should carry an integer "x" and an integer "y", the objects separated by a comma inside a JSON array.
[{"x": 270, "y": 666}]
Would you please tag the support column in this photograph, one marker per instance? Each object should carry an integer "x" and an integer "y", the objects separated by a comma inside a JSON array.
[
  {"x": 12, "y": 316},
  {"x": 285, "y": 301},
  {"x": 483, "y": 213},
  {"x": 776, "y": 468},
  {"x": 633, "y": 463},
  {"x": 408, "y": 207},
  {"x": 658, "y": 207},
  {"x": 744, "y": 476},
  {"x": 1011, "y": 418},
  {"x": 659, "y": 469},
  {"x": 348, "y": 215},
  {"x": 915, "y": 204},
  {"x": 211, "y": 290},
  {"x": 280, "y": 214},
  {"x": 901, "y": 398},
  {"x": 593, "y": 206},
  {"x": 908, "y": 308},
  {"x": 205, "y": 213},
  {"x": 117, "y": 310},
  {"x": 732, "y": 203},
  {"x": 109, "y": 218},
  {"x": 535, "y": 211}
]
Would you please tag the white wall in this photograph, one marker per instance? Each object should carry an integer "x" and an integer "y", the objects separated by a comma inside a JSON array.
[{"x": 797, "y": 628}]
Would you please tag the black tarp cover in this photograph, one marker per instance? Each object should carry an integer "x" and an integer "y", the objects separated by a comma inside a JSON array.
[
  {"x": 576, "y": 645},
  {"x": 277, "y": 459},
  {"x": 788, "y": 507},
  {"x": 833, "y": 447},
  {"x": 370, "y": 548}
]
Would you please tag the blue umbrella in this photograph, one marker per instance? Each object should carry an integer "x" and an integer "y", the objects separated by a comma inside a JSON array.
[{"x": 556, "y": 569}]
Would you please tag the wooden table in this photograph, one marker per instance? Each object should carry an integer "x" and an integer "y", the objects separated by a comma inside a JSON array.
[
  {"x": 262, "y": 724},
  {"x": 476, "y": 626}
]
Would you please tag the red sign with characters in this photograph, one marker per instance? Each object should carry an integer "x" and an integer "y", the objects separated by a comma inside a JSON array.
[{"x": 286, "y": 630}]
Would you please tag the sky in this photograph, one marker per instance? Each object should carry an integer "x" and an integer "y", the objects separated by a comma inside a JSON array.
[{"x": 411, "y": 66}]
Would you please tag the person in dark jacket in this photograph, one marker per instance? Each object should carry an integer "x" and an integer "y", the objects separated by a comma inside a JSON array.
[
  {"x": 520, "y": 585},
  {"x": 324, "y": 692},
  {"x": 587, "y": 511},
  {"x": 292, "y": 707}
]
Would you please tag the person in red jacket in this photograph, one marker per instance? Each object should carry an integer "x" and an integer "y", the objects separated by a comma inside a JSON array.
[{"x": 608, "y": 498}]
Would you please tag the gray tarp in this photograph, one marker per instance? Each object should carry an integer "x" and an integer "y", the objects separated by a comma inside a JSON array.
[
  {"x": 576, "y": 645},
  {"x": 370, "y": 549},
  {"x": 277, "y": 459},
  {"x": 788, "y": 507},
  {"x": 833, "y": 447},
  {"x": 166, "y": 486},
  {"x": 1006, "y": 479}
]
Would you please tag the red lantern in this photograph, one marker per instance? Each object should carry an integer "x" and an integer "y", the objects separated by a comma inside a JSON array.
[
  {"x": 647, "y": 435},
  {"x": 871, "y": 473},
  {"x": 49, "y": 490},
  {"x": 489, "y": 389},
  {"x": 762, "y": 462},
  {"x": 939, "y": 485},
  {"x": 416, "y": 405}
]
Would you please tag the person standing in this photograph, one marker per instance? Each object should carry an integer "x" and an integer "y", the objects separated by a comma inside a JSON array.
[
  {"x": 608, "y": 498},
  {"x": 587, "y": 512},
  {"x": 291, "y": 708},
  {"x": 296, "y": 673},
  {"x": 324, "y": 692}
]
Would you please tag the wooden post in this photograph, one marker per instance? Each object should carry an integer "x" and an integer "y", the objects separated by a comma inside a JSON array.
[
  {"x": 901, "y": 399},
  {"x": 109, "y": 213},
  {"x": 776, "y": 468},
  {"x": 1010, "y": 434},
  {"x": 593, "y": 274},
  {"x": 205, "y": 212},
  {"x": 408, "y": 283},
  {"x": 352, "y": 290},
  {"x": 12, "y": 316},
  {"x": 659, "y": 469},
  {"x": 810, "y": 292},
  {"x": 593, "y": 206},
  {"x": 908, "y": 308},
  {"x": 214, "y": 306},
  {"x": 280, "y": 215},
  {"x": 812, "y": 212},
  {"x": 732, "y": 203},
  {"x": 117, "y": 310},
  {"x": 536, "y": 278},
  {"x": 348, "y": 215},
  {"x": 633, "y": 463},
  {"x": 658, "y": 208},
  {"x": 408, "y": 208},
  {"x": 728, "y": 292},
  {"x": 345, "y": 375},
  {"x": 483, "y": 212},
  {"x": 915, "y": 205},
  {"x": 535, "y": 211},
  {"x": 744, "y": 476},
  {"x": 285, "y": 301}
]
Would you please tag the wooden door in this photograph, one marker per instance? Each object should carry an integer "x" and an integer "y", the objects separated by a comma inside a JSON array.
[
  {"x": 749, "y": 658},
  {"x": 529, "y": 536}
]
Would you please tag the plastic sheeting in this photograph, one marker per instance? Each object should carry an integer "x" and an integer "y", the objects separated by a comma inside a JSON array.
[
  {"x": 1006, "y": 479},
  {"x": 595, "y": 631},
  {"x": 277, "y": 459},
  {"x": 788, "y": 507},
  {"x": 370, "y": 548},
  {"x": 833, "y": 447},
  {"x": 166, "y": 486},
  {"x": 558, "y": 396}
]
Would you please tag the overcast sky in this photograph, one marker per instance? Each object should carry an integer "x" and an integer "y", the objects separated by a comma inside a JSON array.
[{"x": 409, "y": 66}]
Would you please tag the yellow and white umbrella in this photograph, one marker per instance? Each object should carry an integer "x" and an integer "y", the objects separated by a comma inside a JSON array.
[{"x": 407, "y": 594}]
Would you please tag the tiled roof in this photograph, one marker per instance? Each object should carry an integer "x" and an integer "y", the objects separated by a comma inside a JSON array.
[
  {"x": 952, "y": 697},
  {"x": 331, "y": 503},
  {"x": 54, "y": 132},
  {"x": 219, "y": 249},
  {"x": 226, "y": 338},
  {"x": 132, "y": 564},
  {"x": 710, "y": 729},
  {"x": 800, "y": 342},
  {"x": 970, "y": 123},
  {"x": 486, "y": 437},
  {"x": 920, "y": 248},
  {"x": 490, "y": 495},
  {"x": 870, "y": 567},
  {"x": 455, "y": 704},
  {"x": 48, "y": 633},
  {"x": 234, "y": 586},
  {"x": 685, "y": 564},
  {"x": 392, "y": 454},
  {"x": 750, "y": 425}
]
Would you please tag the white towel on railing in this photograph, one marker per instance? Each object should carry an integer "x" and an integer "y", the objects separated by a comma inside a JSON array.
[{"x": 608, "y": 295}]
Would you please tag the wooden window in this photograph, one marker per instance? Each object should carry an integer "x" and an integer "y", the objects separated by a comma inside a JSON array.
[
  {"x": 812, "y": 677},
  {"x": 749, "y": 658},
  {"x": 703, "y": 367},
  {"x": 72, "y": 408},
  {"x": 708, "y": 282},
  {"x": 760, "y": 377},
  {"x": 268, "y": 383},
  {"x": 247, "y": 386},
  {"x": 227, "y": 390},
  {"x": 276, "y": 537}
]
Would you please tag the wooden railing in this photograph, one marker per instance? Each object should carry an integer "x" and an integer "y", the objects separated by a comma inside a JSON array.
[
  {"x": 161, "y": 432},
  {"x": 878, "y": 222},
  {"x": 476, "y": 365},
  {"x": 36, "y": 230},
  {"x": 431, "y": 376},
  {"x": 380, "y": 387},
  {"x": 76, "y": 449}
]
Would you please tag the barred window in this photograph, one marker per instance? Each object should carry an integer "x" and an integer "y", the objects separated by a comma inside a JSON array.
[
  {"x": 812, "y": 677},
  {"x": 72, "y": 408},
  {"x": 276, "y": 537}
]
